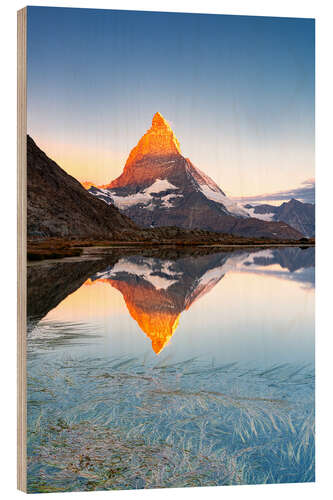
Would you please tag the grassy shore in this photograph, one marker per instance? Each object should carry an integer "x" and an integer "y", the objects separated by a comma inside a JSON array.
[{"x": 55, "y": 248}]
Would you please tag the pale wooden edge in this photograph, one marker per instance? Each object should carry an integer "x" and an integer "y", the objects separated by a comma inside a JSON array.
[{"x": 21, "y": 248}]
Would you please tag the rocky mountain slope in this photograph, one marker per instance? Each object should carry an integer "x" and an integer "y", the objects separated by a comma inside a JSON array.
[
  {"x": 58, "y": 206},
  {"x": 159, "y": 187},
  {"x": 300, "y": 216}
]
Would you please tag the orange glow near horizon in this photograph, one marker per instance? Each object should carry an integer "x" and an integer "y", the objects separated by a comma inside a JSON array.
[
  {"x": 97, "y": 165},
  {"x": 88, "y": 303}
]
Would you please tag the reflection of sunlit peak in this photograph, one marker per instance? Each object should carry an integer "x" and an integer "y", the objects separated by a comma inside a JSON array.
[
  {"x": 152, "y": 309},
  {"x": 159, "y": 328},
  {"x": 157, "y": 291},
  {"x": 158, "y": 325}
]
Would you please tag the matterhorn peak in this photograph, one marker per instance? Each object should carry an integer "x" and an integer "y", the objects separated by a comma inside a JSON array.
[
  {"x": 159, "y": 121},
  {"x": 159, "y": 140}
]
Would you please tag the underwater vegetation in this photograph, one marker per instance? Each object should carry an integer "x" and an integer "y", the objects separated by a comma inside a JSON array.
[{"x": 123, "y": 423}]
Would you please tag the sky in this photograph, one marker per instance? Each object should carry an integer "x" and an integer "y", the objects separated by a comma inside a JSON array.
[{"x": 238, "y": 92}]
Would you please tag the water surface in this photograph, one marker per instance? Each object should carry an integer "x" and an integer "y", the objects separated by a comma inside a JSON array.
[{"x": 171, "y": 368}]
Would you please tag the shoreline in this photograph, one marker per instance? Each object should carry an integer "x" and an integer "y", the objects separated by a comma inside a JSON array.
[{"x": 55, "y": 249}]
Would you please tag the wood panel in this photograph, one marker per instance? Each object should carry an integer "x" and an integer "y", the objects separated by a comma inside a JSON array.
[{"x": 21, "y": 248}]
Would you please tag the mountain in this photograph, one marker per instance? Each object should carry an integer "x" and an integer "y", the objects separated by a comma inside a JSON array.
[
  {"x": 58, "y": 206},
  {"x": 300, "y": 216},
  {"x": 160, "y": 187}
]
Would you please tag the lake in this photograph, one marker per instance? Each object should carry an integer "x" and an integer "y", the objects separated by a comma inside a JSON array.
[{"x": 160, "y": 368}]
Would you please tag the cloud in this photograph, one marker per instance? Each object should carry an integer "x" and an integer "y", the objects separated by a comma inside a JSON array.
[{"x": 304, "y": 193}]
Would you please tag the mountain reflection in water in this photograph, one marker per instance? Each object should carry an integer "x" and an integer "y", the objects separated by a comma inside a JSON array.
[{"x": 157, "y": 289}]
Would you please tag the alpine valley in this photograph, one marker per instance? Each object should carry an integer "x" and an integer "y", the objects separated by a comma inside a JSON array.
[{"x": 160, "y": 187}]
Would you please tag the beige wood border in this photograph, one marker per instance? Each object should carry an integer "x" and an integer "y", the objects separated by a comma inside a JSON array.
[{"x": 21, "y": 248}]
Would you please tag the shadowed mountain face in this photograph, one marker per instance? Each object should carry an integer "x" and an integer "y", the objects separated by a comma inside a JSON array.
[
  {"x": 158, "y": 288},
  {"x": 159, "y": 187},
  {"x": 58, "y": 206},
  {"x": 300, "y": 216}
]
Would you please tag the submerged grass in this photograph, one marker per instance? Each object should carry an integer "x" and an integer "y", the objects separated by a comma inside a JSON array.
[{"x": 119, "y": 423}]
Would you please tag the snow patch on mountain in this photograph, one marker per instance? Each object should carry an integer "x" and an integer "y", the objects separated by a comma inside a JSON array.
[
  {"x": 218, "y": 197},
  {"x": 159, "y": 186},
  {"x": 145, "y": 197},
  {"x": 213, "y": 192},
  {"x": 266, "y": 217},
  {"x": 168, "y": 199}
]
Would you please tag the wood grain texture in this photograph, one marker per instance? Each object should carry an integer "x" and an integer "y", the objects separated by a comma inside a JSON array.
[{"x": 21, "y": 249}]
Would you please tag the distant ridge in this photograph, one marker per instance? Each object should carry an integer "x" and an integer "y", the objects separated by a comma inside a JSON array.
[{"x": 300, "y": 216}]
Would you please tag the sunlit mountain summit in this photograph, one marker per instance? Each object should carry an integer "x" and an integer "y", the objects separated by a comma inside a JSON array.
[{"x": 156, "y": 174}]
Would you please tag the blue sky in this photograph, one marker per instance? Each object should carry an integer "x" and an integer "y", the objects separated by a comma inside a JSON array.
[{"x": 237, "y": 90}]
